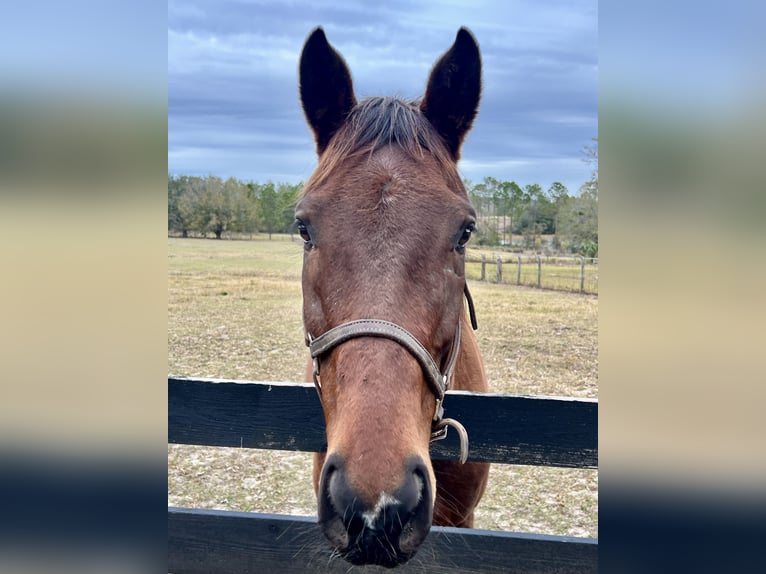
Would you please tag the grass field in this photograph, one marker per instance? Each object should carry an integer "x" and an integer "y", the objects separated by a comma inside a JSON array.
[{"x": 234, "y": 311}]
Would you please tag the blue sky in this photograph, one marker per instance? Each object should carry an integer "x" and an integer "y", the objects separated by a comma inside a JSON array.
[{"x": 233, "y": 106}]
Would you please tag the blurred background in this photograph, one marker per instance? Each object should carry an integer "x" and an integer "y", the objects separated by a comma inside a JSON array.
[{"x": 83, "y": 169}]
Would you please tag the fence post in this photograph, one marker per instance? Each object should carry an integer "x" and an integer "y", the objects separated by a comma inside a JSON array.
[
  {"x": 539, "y": 272},
  {"x": 582, "y": 274},
  {"x": 499, "y": 269},
  {"x": 518, "y": 270},
  {"x": 483, "y": 267}
]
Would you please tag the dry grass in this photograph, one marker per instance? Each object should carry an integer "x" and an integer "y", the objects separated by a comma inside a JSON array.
[{"x": 234, "y": 311}]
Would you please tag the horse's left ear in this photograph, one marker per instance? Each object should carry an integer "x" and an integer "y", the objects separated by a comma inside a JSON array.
[{"x": 453, "y": 92}]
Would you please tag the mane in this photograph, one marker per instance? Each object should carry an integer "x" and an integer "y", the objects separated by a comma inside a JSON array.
[{"x": 380, "y": 121}]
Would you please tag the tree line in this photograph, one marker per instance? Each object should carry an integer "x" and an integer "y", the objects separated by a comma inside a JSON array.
[
  {"x": 210, "y": 205},
  {"x": 508, "y": 214},
  {"x": 520, "y": 217}
]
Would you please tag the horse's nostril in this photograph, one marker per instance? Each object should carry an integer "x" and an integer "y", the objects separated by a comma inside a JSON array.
[{"x": 421, "y": 514}]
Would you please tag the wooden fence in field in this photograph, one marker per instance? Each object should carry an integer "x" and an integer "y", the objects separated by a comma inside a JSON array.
[
  {"x": 509, "y": 429},
  {"x": 576, "y": 274}
]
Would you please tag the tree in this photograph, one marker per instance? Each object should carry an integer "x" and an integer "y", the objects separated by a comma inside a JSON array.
[
  {"x": 480, "y": 195},
  {"x": 536, "y": 218},
  {"x": 246, "y": 209},
  {"x": 516, "y": 201},
  {"x": 559, "y": 195},
  {"x": 189, "y": 202},
  {"x": 288, "y": 197},
  {"x": 577, "y": 218},
  {"x": 211, "y": 205},
  {"x": 502, "y": 199},
  {"x": 217, "y": 205},
  {"x": 591, "y": 157},
  {"x": 491, "y": 190},
  {"x": 577, "y": 224},
  {"x": 270, "y": 210},
  {"x": 177, "y": 186}
]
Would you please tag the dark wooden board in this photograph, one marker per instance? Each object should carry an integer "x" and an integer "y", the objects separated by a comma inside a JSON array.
[
  {"x": 223, "y": 542},
  {"x": 511, "y": 429}
]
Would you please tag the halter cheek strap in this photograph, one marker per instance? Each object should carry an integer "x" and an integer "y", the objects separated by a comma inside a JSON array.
[{"x": 438, "y": 381}]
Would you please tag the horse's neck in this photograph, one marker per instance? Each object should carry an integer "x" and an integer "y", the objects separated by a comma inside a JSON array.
[{"x": 469, "y": 371}]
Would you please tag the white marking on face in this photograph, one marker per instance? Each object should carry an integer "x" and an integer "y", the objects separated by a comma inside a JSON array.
[{"x": 384, "y": 500}]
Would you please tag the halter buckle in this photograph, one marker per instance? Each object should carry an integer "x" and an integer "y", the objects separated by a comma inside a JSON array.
[
  {"x": 439, "y": 434},
  {"x": 439, "y": 411}
]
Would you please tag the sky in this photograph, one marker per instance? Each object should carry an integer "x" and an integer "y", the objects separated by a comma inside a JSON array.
[{"x": 233, "y": 107}]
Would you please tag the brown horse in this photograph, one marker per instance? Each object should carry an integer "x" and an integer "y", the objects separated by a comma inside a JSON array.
[{"x": 385, "y": 219}]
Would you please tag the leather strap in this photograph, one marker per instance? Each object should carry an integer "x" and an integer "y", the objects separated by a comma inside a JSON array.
[
  {"x": 438, "y": 381},
  {"x": 471, "y": 310}
]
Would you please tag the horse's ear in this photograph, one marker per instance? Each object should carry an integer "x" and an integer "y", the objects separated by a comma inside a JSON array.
[
  {"x": 327, "y": 94},
  {"x": 453, "y": 92}
]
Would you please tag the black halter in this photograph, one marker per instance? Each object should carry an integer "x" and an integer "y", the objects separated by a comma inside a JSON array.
[{"x": 439, "y": 381}]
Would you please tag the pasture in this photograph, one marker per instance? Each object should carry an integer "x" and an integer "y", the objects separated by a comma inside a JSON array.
[{"x": 234, "y": 311}]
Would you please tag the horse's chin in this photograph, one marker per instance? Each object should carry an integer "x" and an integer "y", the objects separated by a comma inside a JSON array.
[
  {"x": 372, "y": 547},
  {"x": 382, "y": 557}
]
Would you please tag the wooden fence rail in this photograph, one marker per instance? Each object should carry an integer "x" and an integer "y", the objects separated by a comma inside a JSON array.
[
  {"x": 577, "y": 274},
  {"x": 288, "y": 416}
]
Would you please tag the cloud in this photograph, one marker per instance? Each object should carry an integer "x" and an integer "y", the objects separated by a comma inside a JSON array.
[{"x": 232, "y": 81}]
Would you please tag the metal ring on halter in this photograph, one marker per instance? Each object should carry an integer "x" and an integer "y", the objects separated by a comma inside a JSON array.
[
  {"x": 441, "y": 433},
  {"x": 314, "y": 368},
  {"x": 315, "y": 376}
]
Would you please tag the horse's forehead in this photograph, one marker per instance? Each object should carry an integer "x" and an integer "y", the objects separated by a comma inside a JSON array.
[
  {"x": 389, "y": 171},
  {"x": 392, "y": 160}
]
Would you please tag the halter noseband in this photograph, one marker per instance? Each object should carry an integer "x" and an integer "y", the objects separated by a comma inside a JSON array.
[{"x": 438, "y": 381}]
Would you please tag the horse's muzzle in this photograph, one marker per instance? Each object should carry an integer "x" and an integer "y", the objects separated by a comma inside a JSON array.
[{"x": 389, "y": 531}]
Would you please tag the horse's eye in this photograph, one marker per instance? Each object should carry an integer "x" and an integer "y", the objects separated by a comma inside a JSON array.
[
  {"x": 303, "y": 231},
  {"x": 466, "y": 236}
]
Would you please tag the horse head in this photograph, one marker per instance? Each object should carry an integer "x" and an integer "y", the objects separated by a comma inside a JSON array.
[{"x": 385, "y": 219}]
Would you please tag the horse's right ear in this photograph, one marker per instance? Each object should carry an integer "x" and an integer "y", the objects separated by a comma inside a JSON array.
[{"x": 327, "y": 93}]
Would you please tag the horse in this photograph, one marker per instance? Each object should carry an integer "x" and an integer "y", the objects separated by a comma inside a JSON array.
[{"x": 385, "y": 219}]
